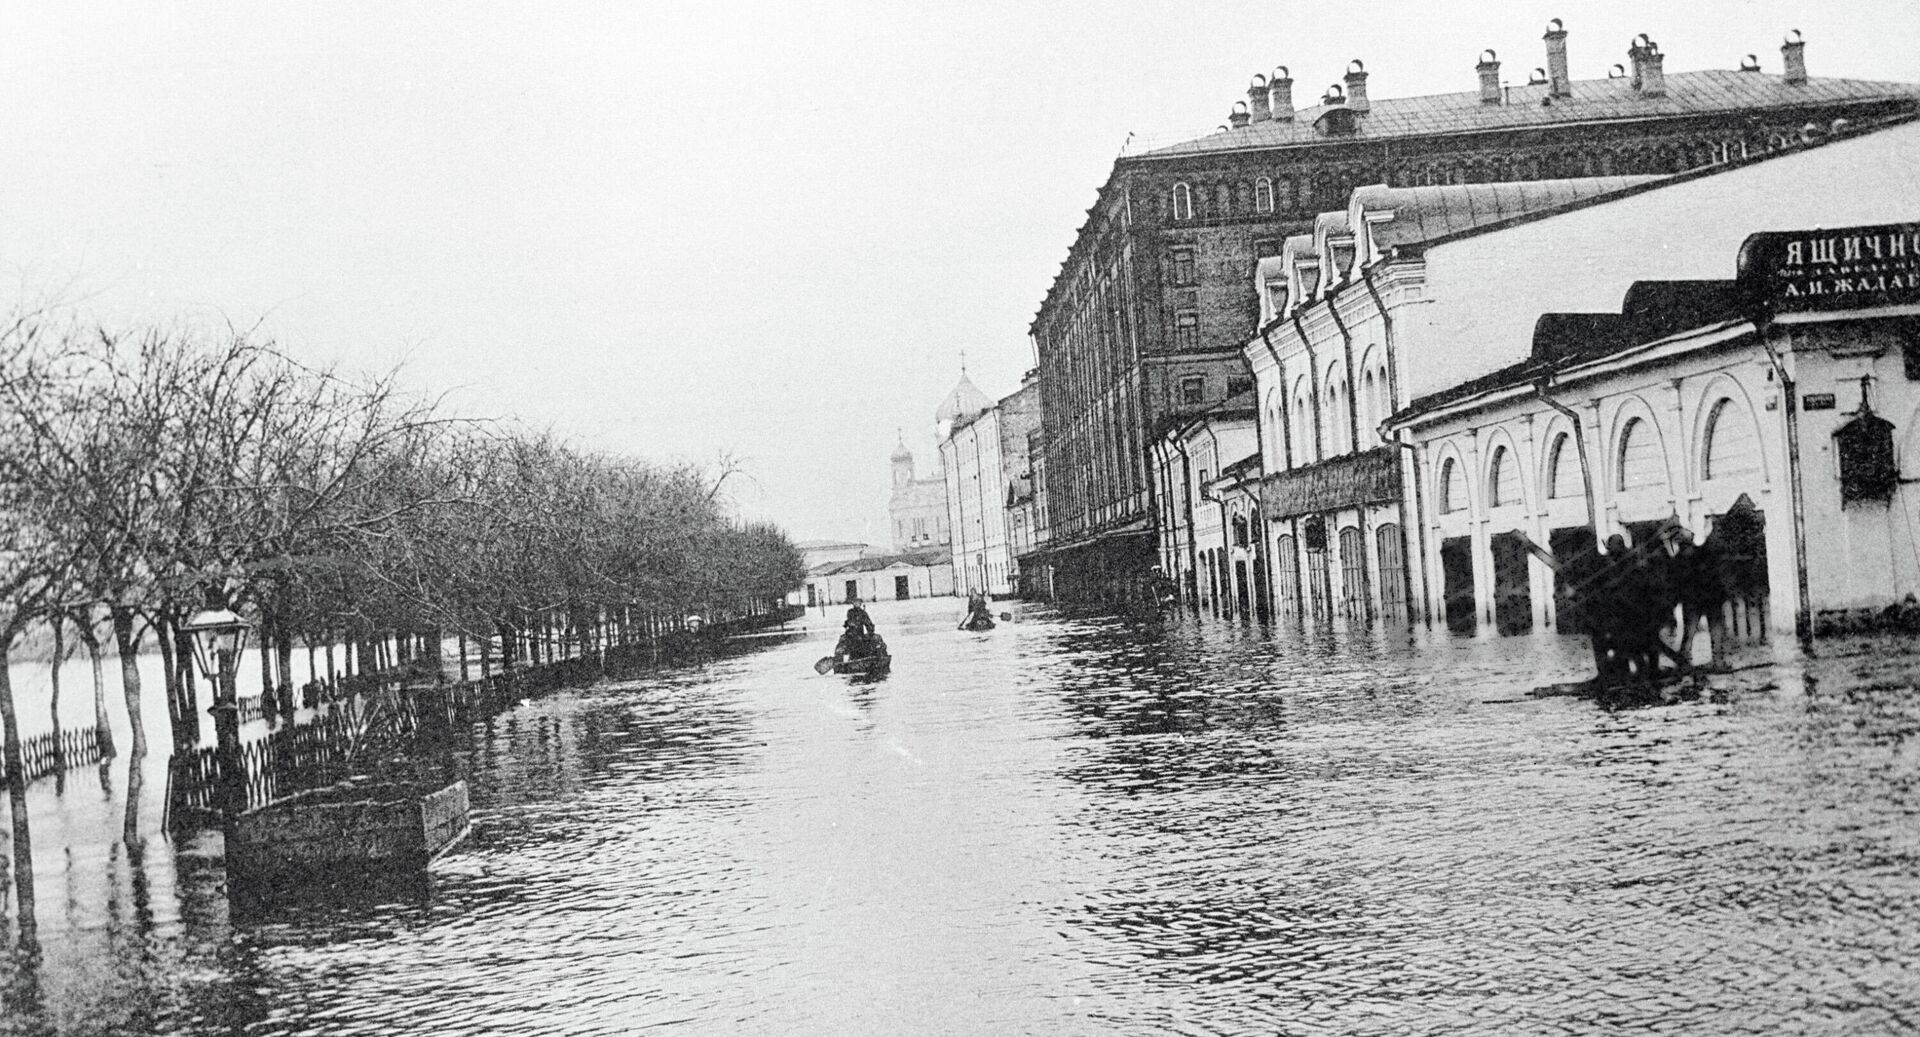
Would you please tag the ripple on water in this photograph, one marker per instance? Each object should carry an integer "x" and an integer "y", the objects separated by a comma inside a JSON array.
[{"x": 1088, "y": 825}]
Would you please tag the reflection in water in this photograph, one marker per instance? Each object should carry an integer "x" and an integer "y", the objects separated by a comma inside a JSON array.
[{"x": 1073, "y": 824}]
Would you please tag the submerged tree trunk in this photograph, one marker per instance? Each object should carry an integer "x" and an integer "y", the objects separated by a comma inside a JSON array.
[
  {"x": 128, "y": 648},
  {"x": 17, "y": 799},
  {"x": 53, "y": 677},
  {"x": 91, "y": 638}
]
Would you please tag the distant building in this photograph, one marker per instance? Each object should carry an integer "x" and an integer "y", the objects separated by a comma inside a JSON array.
[
  {"x": 1146, "y": 317},
  {"x": 984, "y": 453},
  {"x": 894, "y": 577},
  {"x": 917, "y": 509}
]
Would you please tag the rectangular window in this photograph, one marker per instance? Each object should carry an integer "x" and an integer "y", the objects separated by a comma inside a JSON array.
[
  {"x": 1182, "y": 266},
  {"x": 1193, "y": 390},
  {"x": 1186, "y": 331}
]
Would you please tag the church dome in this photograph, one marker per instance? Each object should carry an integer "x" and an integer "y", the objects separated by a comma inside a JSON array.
[
  {"x": 964, "y": 402},
  {"x": 901, "y": 453}
]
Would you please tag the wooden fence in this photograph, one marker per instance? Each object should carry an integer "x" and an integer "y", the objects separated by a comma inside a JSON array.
[{"x": 56, "y": 751}]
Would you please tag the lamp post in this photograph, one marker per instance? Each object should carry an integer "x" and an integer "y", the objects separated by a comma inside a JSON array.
[{"x": 219, "y": 636}]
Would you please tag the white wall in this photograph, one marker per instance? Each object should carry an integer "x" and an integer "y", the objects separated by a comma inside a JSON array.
[{"x": 1487, "y": 290}]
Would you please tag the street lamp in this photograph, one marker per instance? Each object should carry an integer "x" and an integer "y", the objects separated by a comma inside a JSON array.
[{"x": 218, "y": 635}]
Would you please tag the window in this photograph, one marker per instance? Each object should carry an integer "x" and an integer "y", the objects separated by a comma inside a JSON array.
[
  {"x": 1183, "y": 266},
  {"x": 1237, "y": 385},
  {"x": 1641, "y": 466},
  {"x": 1503, "y": 479},
  {"x": 1193, "y": 390},
  {"x": 1277, "y": 297},
  {"x": 1182, "y": 202},
  {"x": 1563, "y": 466},
  {"x": 1453, "y": 492},
  {"x": 1263, "y": 195},
  {"x": 1731, "y": 449},
  {"x": 1186, "y": 331}
]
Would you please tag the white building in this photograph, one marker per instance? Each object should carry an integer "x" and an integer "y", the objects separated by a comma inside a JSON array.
[
  {"x": 896, "y": 577},
  {"x": 1207, "y": 520},
  {"x": 1687, "y": 409},
  {"x": 983, "y": 450}
]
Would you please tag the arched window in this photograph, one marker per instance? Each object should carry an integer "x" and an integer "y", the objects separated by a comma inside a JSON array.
[
  {"x": 1503, "y": 479},
  {"x": 1365, "y": 404},
  {"x": 1731, "y": 448},
  {"x": 1222, "y": 201},
  {"x": 1337, "y": 418},
  {"x": 1453, "y": 492},
  {"x": 1563, "y": 469},
  {"x": 1302, "y": 426},
  {"x": 1182, "y": 202},
  {"x": 1263, "y": 195},
  {"x": 1641, "y": 466}
]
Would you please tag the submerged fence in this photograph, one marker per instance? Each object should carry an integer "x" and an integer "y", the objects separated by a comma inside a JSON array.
[
  {"x": 57, "y": 751},
  {"x": 392, "y": 727}
]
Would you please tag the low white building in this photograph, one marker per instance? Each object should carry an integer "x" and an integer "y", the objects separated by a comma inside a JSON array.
[{"x": 896, "y": 577}]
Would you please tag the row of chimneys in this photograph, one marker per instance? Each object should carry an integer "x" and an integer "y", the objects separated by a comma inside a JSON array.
[{"x": 1272, "y": 99}]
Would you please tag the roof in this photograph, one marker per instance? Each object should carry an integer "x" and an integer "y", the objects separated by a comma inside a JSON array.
[
  {"x": 1651, "y": 311},
  {"x": 937, "y": 556},
  {"x": 1425, "y": 213},
  {"x": 819, "y": 545},
  {"x": 1706, "y": 92}
]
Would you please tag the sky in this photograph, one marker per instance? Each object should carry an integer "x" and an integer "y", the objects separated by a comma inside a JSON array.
[{"x": 688, "y": 230}]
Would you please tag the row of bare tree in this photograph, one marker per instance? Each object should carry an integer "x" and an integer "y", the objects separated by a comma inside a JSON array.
[{"x": 146, "y": 475}]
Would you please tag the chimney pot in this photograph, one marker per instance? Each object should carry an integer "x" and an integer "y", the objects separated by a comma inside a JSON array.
[
  {"x": 1257, "y": 99},
  {"x": 1793, "y": 53},
  {"x": 1489, "y": 69},
  {"x": 1356, "y": 80},
  {"x": 1559, "y": 83},
  {"x": 1537, "y": 78},
  {"x": 1750, "y": 63},
  {"x": 1648, "y": 78},
  {"x": 1280, "y": 93},
  {"x": 1333, "y": 96},
  {"x": 1239, "y": 118}
]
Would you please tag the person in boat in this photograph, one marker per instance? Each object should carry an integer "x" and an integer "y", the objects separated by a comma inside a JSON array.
[
  {"x": 857, "y": 636},
  {"x": 979, "y": 615}
]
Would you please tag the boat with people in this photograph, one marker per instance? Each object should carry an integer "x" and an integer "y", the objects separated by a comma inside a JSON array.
[
  {"x": 979, "y": 615},
  {"x": 861, "y": 651}
]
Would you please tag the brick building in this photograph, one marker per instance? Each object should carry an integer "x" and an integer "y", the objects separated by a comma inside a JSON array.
[{"x": 1146, "y": 318}]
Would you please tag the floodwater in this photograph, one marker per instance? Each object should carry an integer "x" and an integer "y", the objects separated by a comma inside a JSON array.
[{"x": 1071, "y": 826}]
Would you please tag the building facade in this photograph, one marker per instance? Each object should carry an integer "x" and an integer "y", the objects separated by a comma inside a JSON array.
[
  {"x": 984, "y": 455},
  {"x": 917, "y": 508},
  {"x": 1753, "y": 385},
  {"x": 1208, "y": 517},
  {"x": 894, "y": 577},
  {"x": 1146, "y": 319}
]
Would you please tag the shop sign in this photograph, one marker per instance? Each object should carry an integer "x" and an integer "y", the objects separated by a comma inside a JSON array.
[
  {"x": 1851, "y": 268},
  {"x": 1817, "y": 401}
]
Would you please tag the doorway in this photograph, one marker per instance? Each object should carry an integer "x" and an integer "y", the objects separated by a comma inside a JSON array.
[
  {"x": 901, "y": 588},
  {"x": 1456, "y": 583},
  {"x": 1512, "y": 595}
]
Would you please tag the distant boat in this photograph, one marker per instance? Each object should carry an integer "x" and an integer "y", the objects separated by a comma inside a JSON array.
[{"x": 978, "y": 621}]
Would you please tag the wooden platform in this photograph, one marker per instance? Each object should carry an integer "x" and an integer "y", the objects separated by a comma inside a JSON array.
[{"x": 347, "y": 830}]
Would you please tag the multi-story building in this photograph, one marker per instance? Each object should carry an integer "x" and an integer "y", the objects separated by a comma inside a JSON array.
[
  {"x": 917, "y": 509},
  {"x": 1206, "y": 548},
  {"x": 984, "y": 455},
  {"x": 1694, "y": 351},
  {"x": 1146, "y": 319}
]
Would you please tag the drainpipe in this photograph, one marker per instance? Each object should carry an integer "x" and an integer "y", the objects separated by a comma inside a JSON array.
[
  {"x": 1803, "y": 606},
  {"x": 1286, "y": 444},
  {"x": 1193, "y": 551},
  {"x": 1580, "y": 446},
  {"x": 1353, "y": 441},
  {"x": 1393, "y": 394},
  {"x": 1226, "y": 542}
]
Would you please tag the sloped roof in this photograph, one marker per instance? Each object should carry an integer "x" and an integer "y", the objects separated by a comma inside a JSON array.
[
  {"x": 1704, "y": 92},
  {"x": 1425, "y": 213},
  {"x": 938, "y": 556}
]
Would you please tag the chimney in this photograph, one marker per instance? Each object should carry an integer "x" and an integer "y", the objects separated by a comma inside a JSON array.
[
  {"x": 1794, "y": 53},
  {"x": 1649, "y": 80},
  {"x": 1334, "y": 96},
  {"x": 1257, "y": 99},
  {"x": 1356, "y": 86},
  {"x": 1559, "y": 83},
  {"x": 1489, "y": 69},
  {"x": 1280, "y": 94},
  {"x": 1239, "y": 118}
]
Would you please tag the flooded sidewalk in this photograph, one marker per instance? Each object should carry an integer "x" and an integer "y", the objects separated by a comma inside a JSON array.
[{"x": 1071, "y": 825}]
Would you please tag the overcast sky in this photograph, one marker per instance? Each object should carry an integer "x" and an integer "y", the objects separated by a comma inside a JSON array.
[{"x": 676, "y": 229}]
